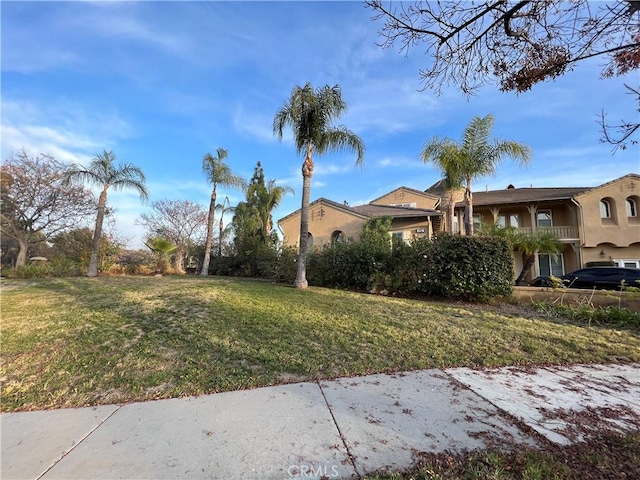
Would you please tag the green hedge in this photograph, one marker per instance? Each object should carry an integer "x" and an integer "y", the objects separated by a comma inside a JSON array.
[
  {"x": 473, "y": 268},
  {"x": 453, "y": 266}
]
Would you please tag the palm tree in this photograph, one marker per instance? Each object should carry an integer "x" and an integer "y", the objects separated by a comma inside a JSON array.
[
  {"x": 162, "y": 248},
  {"x": 103, "y": 173},
  {"x": 269, "y": 201},
  {"x": 528, "y": 244},
  {"x": 477, "y": 156},
  {"x": 217, "y": 173},
  {"x": 310, "y": 114},
  {"x": 223, "y": 208},
  {"x": 443, "y": 153}
]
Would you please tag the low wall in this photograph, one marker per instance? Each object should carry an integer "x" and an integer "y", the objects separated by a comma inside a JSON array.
[{"x": 630, "y": 300}]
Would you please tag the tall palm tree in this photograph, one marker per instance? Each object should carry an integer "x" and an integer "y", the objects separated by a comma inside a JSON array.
[
  {"x": 443, "y": 153},
  {"x": 104, "y": 174},
  {"x": 217, "y": 173},
  {"x": 310, "y": 114},
  {"x": 270, "y": 199},
  {"x": 477, "y": 155}
]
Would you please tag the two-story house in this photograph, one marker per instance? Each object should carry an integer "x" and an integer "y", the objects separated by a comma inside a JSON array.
[{"x": 594, "y": 223}]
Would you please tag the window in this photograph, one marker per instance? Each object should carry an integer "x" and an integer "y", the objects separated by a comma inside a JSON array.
[
  {"x": 338, "y": 236},
  {"x": 309, "y": 243},
  {"x": 550, "y": 265},
  {"x": 605, "y": 209},
  {"x": 511, "y": 220},
  {"x": 477, "y": 221},
  {"x": 544, "y": 218},
  {"x": 397, "y": 237},
  {"x": 627, "y": 263},
  {"x": 406, "y": 205},
  {"x": 632, "y": 208}
]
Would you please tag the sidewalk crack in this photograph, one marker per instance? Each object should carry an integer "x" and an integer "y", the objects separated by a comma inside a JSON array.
[
  {"x": 65, "y": 454},
  {"x": 350, "y": 455}
]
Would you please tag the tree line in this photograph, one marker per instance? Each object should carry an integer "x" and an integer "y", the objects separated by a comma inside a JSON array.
[{"x": 47, "y": 210}]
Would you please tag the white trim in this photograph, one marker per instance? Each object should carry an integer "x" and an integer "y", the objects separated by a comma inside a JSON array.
[{"x": 620, "y": 262}]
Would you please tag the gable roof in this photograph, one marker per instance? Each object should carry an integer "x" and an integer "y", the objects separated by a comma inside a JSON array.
[
  {"x": 408, "y": 189},
  {"x": 374, "y": 210},
  {"x": 371, "y": 210},
  {"x": 629, "y": 176}
]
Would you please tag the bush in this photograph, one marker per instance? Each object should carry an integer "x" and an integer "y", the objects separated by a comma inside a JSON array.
[
  {"x": 469, "y": 268},
  {"x": 56, "y": 267},
  {"x": 258, "y": 259},
  {"x": 347, "y": 265}
]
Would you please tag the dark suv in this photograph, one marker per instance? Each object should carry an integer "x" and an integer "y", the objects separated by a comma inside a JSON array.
[{"x": 602, "y": 278}]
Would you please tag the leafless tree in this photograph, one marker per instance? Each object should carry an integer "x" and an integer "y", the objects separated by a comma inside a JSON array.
[
  {"x": 182, "y": 222},
  {"x": 619, "y": 135},
  {"x": 518, "y": 43},
  {"x": 37, "y": 204}
]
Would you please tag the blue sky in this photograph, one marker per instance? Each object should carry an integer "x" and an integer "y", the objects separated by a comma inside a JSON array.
[{"x": 163, "y": 83}]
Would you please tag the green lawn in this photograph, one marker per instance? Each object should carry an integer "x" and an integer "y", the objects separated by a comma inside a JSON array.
[{"x": 80, "y": 341}]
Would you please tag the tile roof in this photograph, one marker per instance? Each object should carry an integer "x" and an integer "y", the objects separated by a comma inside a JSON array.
[
  {"x": 524, "y": 195},
  {"x": 372, "y": 210}
]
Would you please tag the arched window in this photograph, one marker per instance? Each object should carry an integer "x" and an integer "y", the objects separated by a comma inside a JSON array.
[
  {"x": 338, "y": 236},
  {"x": 605, "y": 209},
  {"x": 632, "y": 208},
  {"x": 309, "y": 243}
]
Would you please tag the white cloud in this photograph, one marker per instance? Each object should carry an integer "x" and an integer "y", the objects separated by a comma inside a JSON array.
[{"x": 69, "y": 132}]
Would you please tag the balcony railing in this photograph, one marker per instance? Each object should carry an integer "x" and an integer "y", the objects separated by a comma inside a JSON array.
[{"x": 558, "y": 232}]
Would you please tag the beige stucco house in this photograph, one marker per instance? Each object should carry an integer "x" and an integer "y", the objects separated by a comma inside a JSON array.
[
  {"x": 413, "y": 212},
  {"x": 594, "y": 223}
]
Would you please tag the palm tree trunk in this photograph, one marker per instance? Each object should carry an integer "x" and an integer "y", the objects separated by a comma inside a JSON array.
[
  {"x": 528, "y": 263},
  {"x": 468, "y": 210},
  {"x": 209, "y": 241},
  {"x": 451, "y": 211},
  {"x": 221, "y": 228},
  {"x": 97, "y": 234},
  {"x": 307, "y": 173}
]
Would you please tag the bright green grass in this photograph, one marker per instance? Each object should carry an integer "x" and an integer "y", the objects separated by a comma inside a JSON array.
[{"x": 80, "y": 341}]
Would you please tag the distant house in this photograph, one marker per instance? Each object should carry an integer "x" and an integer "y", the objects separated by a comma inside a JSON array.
[
  {"x": 413, "y": 214},
  {"x": 594, "y": 223}
]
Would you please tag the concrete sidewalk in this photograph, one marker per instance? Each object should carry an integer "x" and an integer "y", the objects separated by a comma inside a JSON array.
[{"x": 345, "y": 428}]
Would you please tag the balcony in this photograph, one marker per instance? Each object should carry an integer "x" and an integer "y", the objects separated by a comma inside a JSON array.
[{"x": 561, "y": 233}]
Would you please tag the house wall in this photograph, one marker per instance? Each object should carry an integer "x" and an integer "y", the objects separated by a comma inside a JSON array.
[
  {"x": 618, "y": 231},
  {"x": 409, "y": 226},
  {"x": 323, "y": 221},
  {"x": 406, "y": 196},
  {"x": 609, "y": 252},
  {"x": 563, "y": 214}
]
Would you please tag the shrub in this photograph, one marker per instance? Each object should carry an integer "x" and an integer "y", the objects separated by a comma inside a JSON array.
[
  {"x": 56, "y": 267},
  {"x": 470, "y": 268}
]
